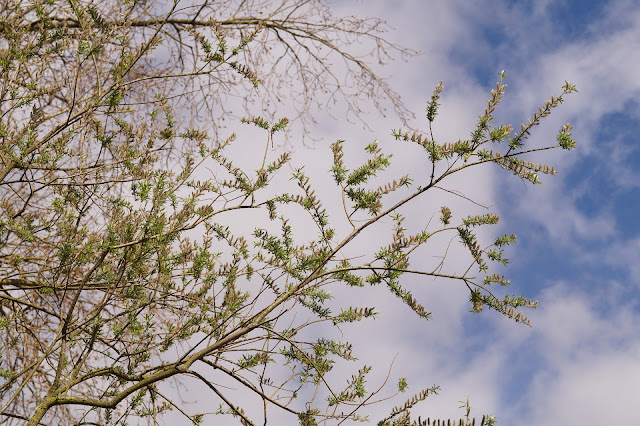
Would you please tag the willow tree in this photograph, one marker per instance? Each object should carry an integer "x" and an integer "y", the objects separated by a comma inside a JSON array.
[{"x": 124, "y": 256}]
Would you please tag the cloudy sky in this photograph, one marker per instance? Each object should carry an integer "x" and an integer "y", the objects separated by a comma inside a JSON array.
[{"x": 578, "y": 250}]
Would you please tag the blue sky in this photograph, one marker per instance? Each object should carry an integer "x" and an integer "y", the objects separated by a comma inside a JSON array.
[{"x": 578, "y": 248}]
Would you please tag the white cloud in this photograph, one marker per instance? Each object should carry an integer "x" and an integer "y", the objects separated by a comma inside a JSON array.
[
  {"x": 595, "y": 389},
  {"x": 579, "y": 364},
  {"x": 624, "y": 255},
  {"x": 588, "y": 373},
  {"x": 605, "y": 69},
  {"x": 583, "y": 352}
]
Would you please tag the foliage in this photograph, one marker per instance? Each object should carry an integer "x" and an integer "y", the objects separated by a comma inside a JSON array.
[{"x": 124, "y": 256}]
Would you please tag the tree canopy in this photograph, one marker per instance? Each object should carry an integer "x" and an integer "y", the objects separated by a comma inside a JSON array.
[{"x": 125, "y": 259}]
